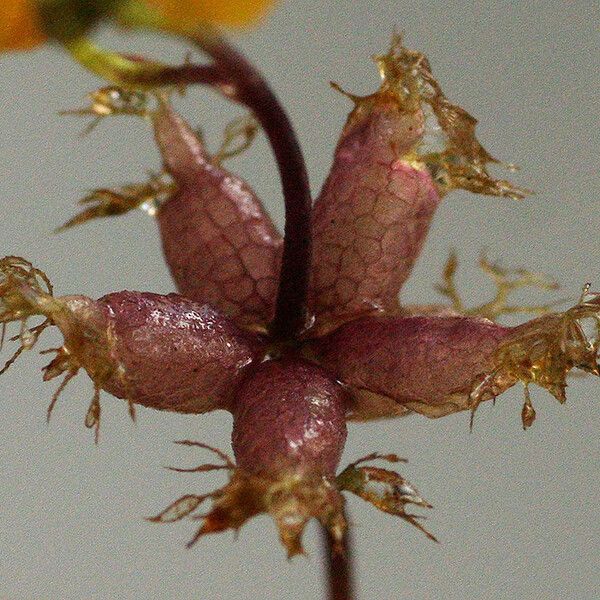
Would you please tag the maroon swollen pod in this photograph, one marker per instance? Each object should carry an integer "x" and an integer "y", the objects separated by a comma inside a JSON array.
[
  {"x": 301, "y": 427},
  {"x": 175, "y": 354},
  {"x": 288, "y": 436},
  {"x": 164, "y": 352},
  {"x": 372, "y": 216},
  {"x": 438, "y": 365},
  {"x": 401, "y": 150},
  {"x": 220, "y": 244}
]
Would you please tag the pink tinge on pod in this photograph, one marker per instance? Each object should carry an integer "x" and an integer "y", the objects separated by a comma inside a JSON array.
[
  {"x": 373, "y": 214},
  {"x": 402, "y": 149},
  {"x": 289, "y": 431},
  {"x": 424, "y": 364},
  {"x": 164, "y": 352},
  {"x": 289, "y": 414},
  {"x": 438, "y": 365},
  {"x": 221, "y": 246}
]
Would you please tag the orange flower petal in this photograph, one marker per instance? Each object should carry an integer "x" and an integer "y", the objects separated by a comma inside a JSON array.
[
  {"x": 229, "y": 13},
  {"x": 19, "y": 27}
]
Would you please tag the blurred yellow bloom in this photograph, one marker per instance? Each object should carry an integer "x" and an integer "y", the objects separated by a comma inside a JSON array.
[
  {"x": 19, "y": 27},
  {"x": 229, "y": 13}
]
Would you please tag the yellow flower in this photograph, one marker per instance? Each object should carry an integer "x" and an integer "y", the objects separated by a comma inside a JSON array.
[
  {"x": 19, "y": 26},
  {"x": 228, "y": 13}
]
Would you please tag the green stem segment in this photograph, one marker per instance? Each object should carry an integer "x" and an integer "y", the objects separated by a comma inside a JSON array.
[{"x": 135, "y": 73}]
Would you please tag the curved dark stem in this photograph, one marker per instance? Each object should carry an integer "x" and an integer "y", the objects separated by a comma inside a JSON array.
[
  {"x": 190, "y": 73},
  {"x": 252, "y": 90},
  {"x": 338, "y": 566}
]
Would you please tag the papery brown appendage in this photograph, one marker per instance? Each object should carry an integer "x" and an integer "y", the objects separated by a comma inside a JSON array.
[{"x": 386, "y": 490}]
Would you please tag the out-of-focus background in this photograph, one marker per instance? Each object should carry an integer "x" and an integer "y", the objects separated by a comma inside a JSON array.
[{"x": 517, "y": 512}]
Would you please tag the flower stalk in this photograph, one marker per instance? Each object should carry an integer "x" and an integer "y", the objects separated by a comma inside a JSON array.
[{"x": 338, "y": 565}]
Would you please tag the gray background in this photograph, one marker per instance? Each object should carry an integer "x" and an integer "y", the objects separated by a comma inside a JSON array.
[{"x": 517, "y": 513}]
